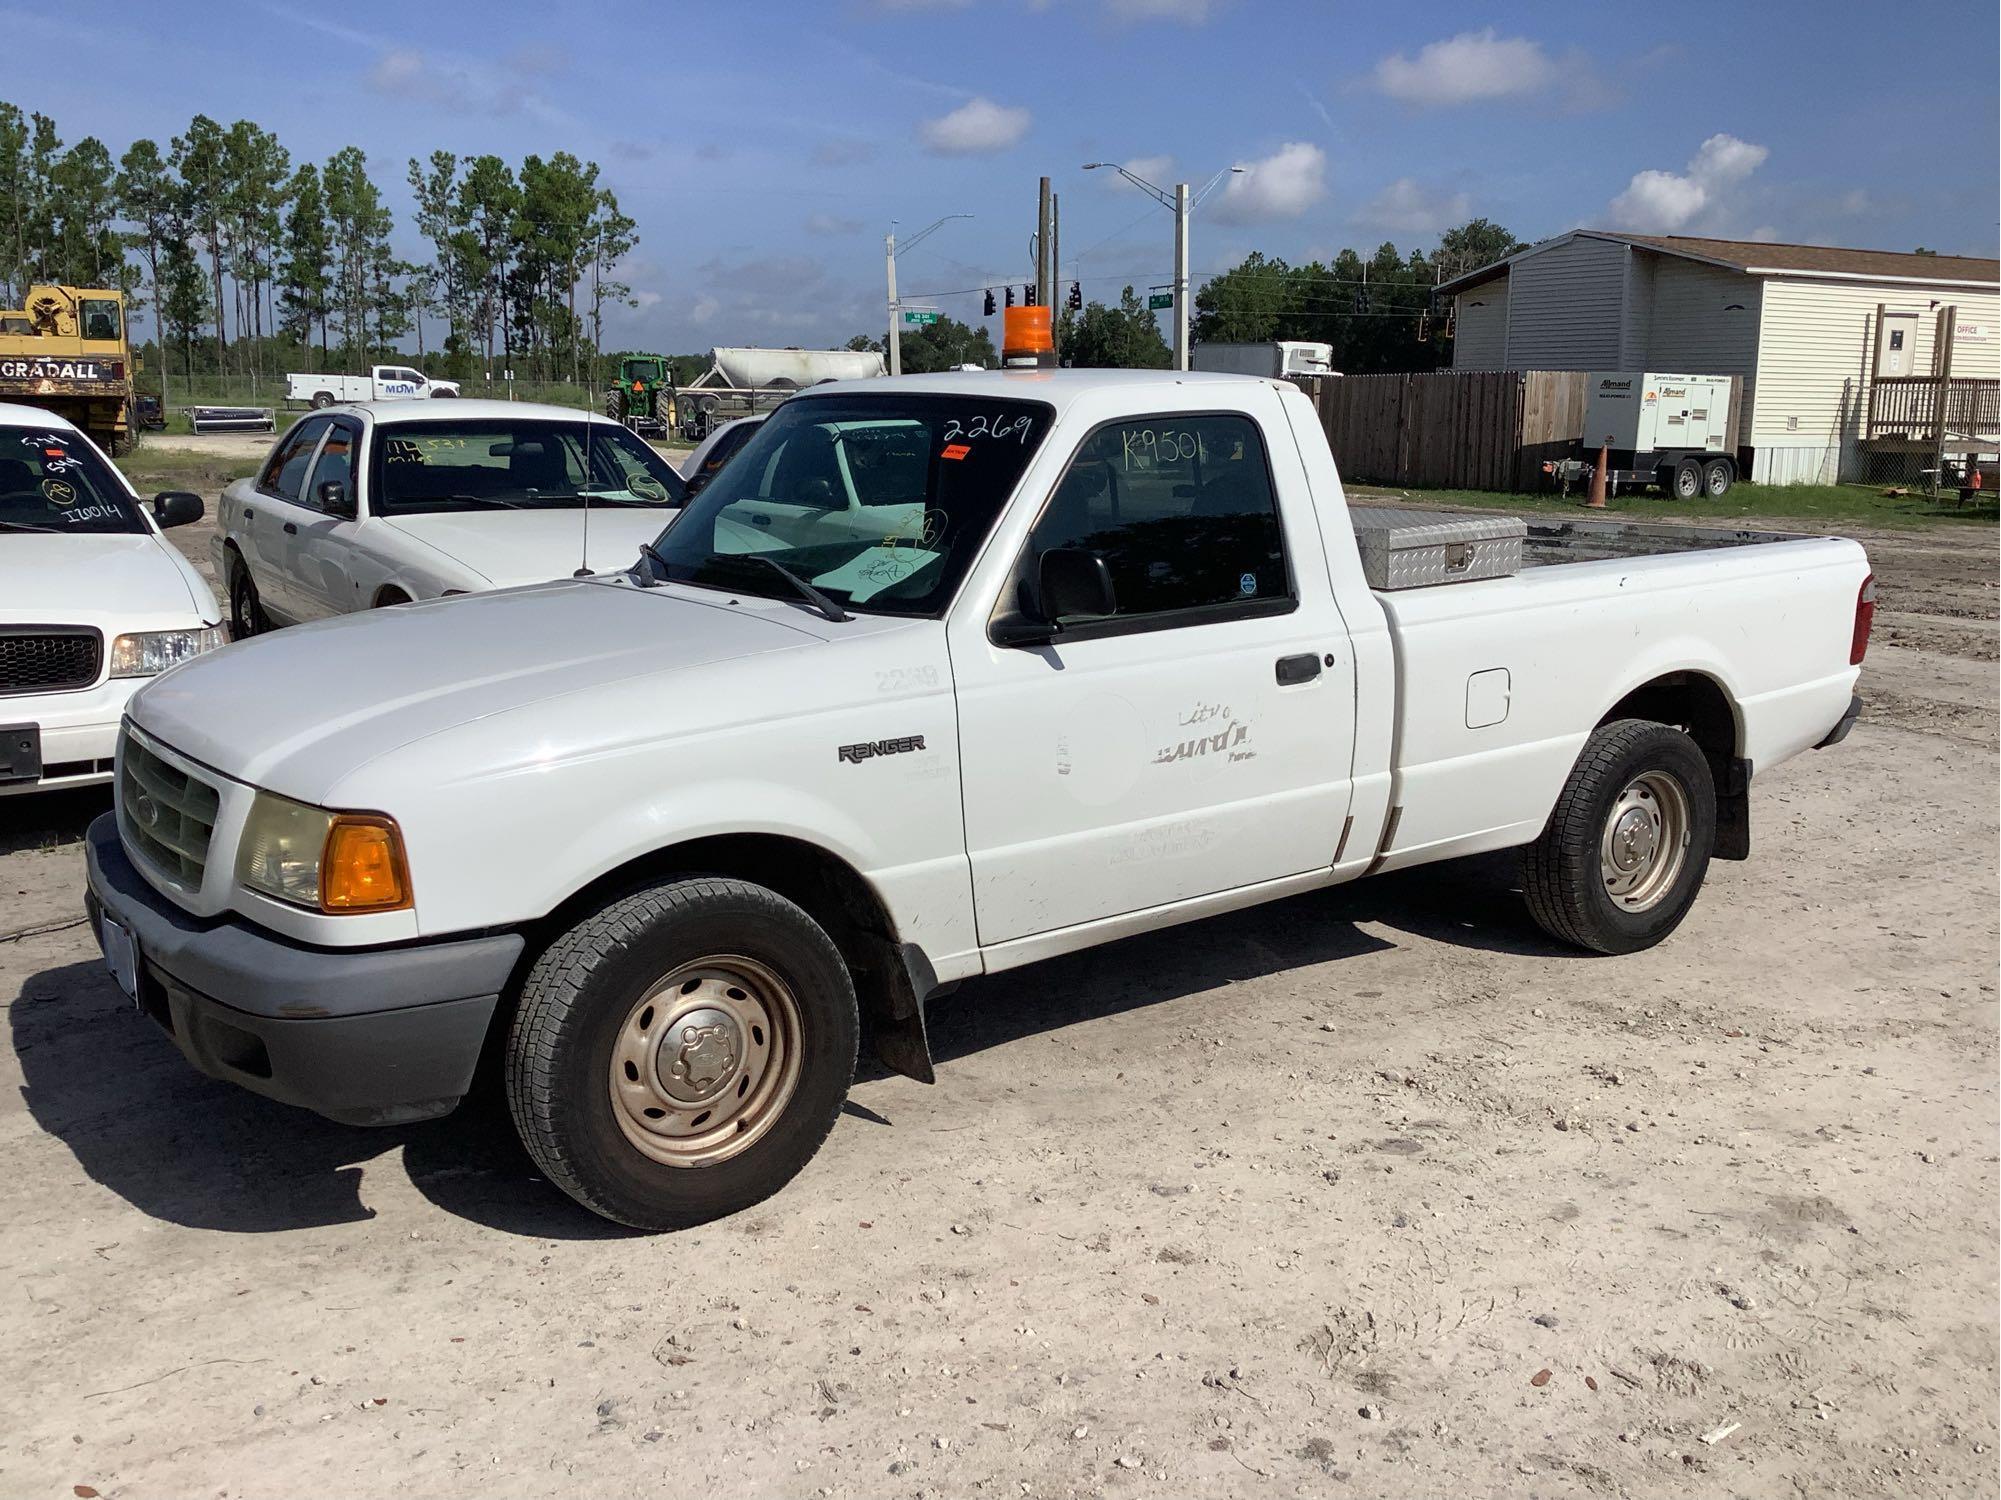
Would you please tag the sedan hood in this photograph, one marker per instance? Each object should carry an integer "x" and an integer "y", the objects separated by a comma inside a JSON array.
[
  {"x": 509, "y": 547},
  {"x": 79, "y": 579},
  {"x": 296, "y": 710}
]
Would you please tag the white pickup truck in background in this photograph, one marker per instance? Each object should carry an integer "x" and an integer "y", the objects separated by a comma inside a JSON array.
[
  {"x": 382, "y": 383},
  {"x": 938, "y": 676}
]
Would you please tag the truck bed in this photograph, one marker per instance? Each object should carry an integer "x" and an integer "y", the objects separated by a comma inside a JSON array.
[{"x": 1550, "y": 542}]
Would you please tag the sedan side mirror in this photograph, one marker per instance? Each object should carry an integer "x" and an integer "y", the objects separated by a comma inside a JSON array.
[
  {"x": 177, "y": 508},
  {"x": 1069, "y": 583},
  {"x": 334, "y": 499}
]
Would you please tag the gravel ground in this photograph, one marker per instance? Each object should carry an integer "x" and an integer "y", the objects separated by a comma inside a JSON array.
[{"x": 1372, "y": 1191}]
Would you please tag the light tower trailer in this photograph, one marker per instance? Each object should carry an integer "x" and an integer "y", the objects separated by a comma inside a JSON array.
[{"x": 1669, "y": 430}]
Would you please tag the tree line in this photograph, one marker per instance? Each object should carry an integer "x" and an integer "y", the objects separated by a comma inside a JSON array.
[{"x": 251, "y": 263}]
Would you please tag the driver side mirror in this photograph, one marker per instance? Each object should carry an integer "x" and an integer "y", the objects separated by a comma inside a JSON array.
[
  {"x": 177, "y": 508},
  {"x": 334, "y": 499},
  {"x": 1069, "y": 583}
]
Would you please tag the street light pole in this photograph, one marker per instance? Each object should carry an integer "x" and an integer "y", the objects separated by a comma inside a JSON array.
[
  {"x": 889, "y": 248},
  {"x": 1181, "y": 203}
]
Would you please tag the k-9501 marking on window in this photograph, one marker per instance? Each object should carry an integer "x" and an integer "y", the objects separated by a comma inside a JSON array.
[{"x": 870, "y": 749}]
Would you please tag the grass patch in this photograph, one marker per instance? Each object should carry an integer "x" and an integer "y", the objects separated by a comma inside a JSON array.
[
  {"x": 1860, "y": 504},
  {"x": 151, "y": 467}
]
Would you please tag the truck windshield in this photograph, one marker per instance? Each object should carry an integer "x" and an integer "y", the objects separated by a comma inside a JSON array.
[
  {"x": 514, "y": 463},
  {"x": 51, "y": 480},
  {"x": 881, "y": 502}
]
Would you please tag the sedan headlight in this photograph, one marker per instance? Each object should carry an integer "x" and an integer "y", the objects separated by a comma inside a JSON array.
[
  {"x": 151, "y": 652},
  {"x": 332, "y": 862}
]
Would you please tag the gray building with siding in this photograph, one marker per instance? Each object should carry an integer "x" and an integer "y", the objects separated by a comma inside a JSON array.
[{"x": 1798, "y": 322}]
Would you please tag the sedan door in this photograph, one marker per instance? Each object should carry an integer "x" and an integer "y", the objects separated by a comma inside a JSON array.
[
  {"x": 271, "y": 517},
  {"x": 319, "y": 555}
]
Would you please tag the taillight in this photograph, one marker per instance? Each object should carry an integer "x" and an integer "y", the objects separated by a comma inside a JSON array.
[{"x": 1865, "y": 616}]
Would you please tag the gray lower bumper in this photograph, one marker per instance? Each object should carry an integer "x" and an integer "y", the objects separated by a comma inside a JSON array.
[{"x": 370, "y": 1037}]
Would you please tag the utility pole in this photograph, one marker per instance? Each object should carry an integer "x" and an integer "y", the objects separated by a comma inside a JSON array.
[
  {"x": 1181, "y": 276},
  {"x": 1044, "y": 210},
  {"x": 895, "y": 312}
]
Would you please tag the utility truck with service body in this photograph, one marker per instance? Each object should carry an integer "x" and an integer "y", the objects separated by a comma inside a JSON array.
[
  {"x": 938, "y": 676},
  {"x": 381, "y": 383}
]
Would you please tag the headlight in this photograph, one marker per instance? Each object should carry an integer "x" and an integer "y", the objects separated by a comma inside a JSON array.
[
  {"x": 325, "y": 861},
  {"x": 152, "y": 652}
]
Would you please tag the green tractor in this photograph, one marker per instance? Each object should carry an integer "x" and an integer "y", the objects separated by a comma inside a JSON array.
[{"x": 643, "y": 395}]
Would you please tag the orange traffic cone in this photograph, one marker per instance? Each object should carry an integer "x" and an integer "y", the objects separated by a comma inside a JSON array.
[{"x": 1596, "y": 499}]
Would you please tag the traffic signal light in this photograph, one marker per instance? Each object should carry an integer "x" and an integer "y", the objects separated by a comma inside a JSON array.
[
  {"x": 1028, "y": 295},
  {"x": 1076, "y": 297},
  {"x": 1010, "y": 296},
  {"x": 990, "y": 302}
]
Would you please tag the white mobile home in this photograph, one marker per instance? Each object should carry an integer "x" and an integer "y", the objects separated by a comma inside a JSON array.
[{"x": 1798, "y": 322}]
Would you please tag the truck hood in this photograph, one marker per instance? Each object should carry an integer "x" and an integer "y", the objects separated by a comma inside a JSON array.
[
  {"x": 509, "y": 547},
  {"x": 296, "y": 710},
  {"x": 85, "y": 579}
]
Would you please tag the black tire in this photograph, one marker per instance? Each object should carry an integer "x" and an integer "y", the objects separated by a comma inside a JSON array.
[
  {"x": 1563, "y": 871},
  {"x": 322, "y": 399},
  {"x": 246, "y": 610},
  {"x": 578, "y": 1000},
  {"x": 1687, "y": 479},
  {"x": 1717, "y": 476}
]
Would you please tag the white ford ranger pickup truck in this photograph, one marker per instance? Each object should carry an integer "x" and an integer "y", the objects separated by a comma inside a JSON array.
[{"x": 940, "y": 675}]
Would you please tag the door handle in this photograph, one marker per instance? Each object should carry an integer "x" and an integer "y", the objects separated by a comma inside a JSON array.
[
  {"x": 290, "y": 529},
  {"x": 760, "y": 520},
  {"x": 1293, "y": 670}
]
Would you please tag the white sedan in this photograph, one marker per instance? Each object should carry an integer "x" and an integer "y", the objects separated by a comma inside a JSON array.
[
  {"x": 374, "y": 504},
  {"x": 93, "y": 601}
]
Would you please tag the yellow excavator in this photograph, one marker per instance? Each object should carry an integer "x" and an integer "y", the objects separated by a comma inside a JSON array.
[{"x": 65, "y": 350}]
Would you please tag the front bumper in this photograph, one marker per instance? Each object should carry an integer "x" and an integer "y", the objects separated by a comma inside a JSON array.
[
  {"x": 79, "y": 732},
  {"x": 374, "y": 1036}
]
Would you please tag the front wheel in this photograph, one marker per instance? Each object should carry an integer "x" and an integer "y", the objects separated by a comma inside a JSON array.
[
  {"x": 246, "y": 610},
  {"x": 1627, "y": 846},
  {"x": 681, "y": 1054}
]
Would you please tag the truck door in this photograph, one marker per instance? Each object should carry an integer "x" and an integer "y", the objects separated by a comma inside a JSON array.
[
  {"x": 319, "y": 552},
  {"x": 272, "y": 515},
  {"x": 1198, "y": 740}
]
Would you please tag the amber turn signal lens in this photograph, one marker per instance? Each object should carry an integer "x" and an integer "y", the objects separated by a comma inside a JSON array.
[{"x": 363, "y": 867}]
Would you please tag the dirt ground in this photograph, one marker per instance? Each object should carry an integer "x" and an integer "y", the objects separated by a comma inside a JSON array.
[{"x": 1368, "y": 1192}]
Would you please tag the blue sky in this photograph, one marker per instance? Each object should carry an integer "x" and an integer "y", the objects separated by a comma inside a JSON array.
[{"x": 764, "y": 147}]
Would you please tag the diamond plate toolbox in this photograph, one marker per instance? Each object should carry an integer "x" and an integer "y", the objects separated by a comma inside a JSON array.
[{"x": 1414, "y": 549}]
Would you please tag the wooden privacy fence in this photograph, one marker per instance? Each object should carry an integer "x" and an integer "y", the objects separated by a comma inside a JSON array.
[{"x": 1459, "y": 430}]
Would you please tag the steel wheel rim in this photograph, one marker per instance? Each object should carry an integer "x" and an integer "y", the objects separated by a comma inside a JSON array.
[
  {"x": 1716, "y": 481},
  {"x": 1644, "y": 844},
  {"x": 705, "y": 1061},
  {"x": 1688, "y": 483},
  {"x": 243, "y": 606}
]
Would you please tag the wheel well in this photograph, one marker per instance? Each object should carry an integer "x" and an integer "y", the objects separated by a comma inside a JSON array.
[
  {"x": 1699, "y": 706},
  {"x": 825, "y": 886}
]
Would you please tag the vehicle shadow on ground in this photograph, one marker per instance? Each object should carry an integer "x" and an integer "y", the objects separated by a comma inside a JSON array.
[
  {"x": 191, "y": 1151},
  {"x": 48, "y": 820}
]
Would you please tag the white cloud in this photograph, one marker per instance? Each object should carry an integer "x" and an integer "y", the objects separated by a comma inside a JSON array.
[
  {"x": 1280, "y": 186},
  {"x": 1406, "y": 207},
  {"x": 1661, "y": 202},
  {"x": 705, "y": 308},
  {"x": 1472, "y": 66},
  {"x": 643, "y": 300},
  {"x": 1155, "y": 169},
  {"x": 977, "y": 125},
  {"x": 831, "y": 224}
]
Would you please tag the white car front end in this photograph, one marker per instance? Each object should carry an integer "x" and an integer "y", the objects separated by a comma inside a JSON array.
[{"x": 87, "y": 614}]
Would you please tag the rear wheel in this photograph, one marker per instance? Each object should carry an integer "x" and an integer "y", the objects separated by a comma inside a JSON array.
[
  {"x": 322, "y": 399},
  {"x": 1687, "y": 479},
  {"x": 246, "y": 610},
  {"x": 1717, "y": 475},
  {"x": 682, "y": 1053},
  {"x": 1628, "y": 844}
]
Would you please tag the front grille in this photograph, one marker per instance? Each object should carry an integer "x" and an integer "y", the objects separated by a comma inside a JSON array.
[
  {"x": 166, "y": 815},
  {"x": 49, "y": 658}
]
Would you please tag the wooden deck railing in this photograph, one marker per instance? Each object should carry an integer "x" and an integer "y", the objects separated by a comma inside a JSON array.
[{"x": 1914, "y": 408}]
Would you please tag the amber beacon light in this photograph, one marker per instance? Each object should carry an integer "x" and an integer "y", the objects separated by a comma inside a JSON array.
[{"x": 1026, "y": 340}]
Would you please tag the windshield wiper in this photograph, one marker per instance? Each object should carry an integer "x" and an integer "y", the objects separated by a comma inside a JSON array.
[
  {"x": 23, "y": 526},
  {"x": 482, "y": 500},
  {"x": 822, "y": 605},
  {"x": 643, "y": 577}
]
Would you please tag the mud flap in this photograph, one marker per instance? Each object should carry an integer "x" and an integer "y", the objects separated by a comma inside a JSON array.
[
  {"x": 1733, "y": 809},
  {"x": 901, "y": 1041}
]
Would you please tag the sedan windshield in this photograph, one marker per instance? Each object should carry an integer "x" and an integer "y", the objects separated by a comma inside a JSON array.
[
  {"x": 514, "y": 463},
  {"x": 879, "y": 502},
  {"x": 51, "y": 480}
]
